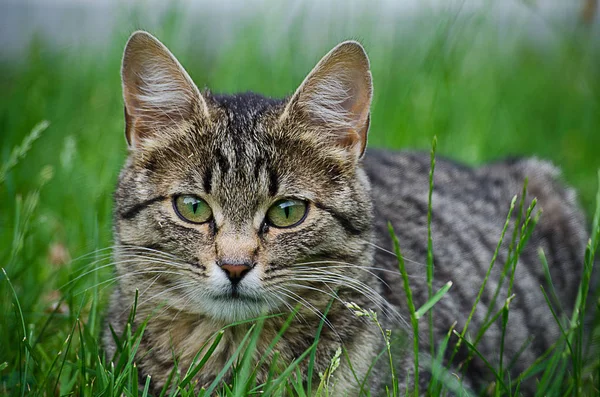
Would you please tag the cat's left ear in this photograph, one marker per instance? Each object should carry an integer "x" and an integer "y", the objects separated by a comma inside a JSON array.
[
  {"x": 159, "y": 94},
  {"x": 336, "y": 97}
]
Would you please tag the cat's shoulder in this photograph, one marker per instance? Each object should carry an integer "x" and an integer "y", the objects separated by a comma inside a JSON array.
[
  {"x": 418, "y": 163},
  {"x": 389, "y": 166},
  {"x": 407, "y": 173}
]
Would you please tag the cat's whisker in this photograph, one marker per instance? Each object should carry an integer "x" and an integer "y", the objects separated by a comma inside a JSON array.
[
  {"x": 95, "y": 253},
  {"x": 394, "y": 254},
  {"x": 375, "y": 299},
  {"x": 331, "y": 294},
  {"x": 370, "y": 269},
  {"x": 297, "y": 298},
  {"x": 145, "y": 249},
  {"x": 271, "y": 294},
  {"x": 304, "y": 286},
  {"x": 359, "y": 287},
  {"x": 121, "y": 262},
  {"x": 316, "y": 312},
  {"x": 331, "y": 275},
  {"x": 185, "y": 305},
  {"x": 74, "y": 280},
  {"x": 343, "y": 265},
  {"x": 108, "y": 252},
  {"x": 189, "y": 295},
  {"x": 129, "y": 274},
  {"x": 285, "y": 303},
  {"x": 154, "y": 280},
  {"x": 113, "y": 280},
  {"x": 380, "y": 302},
  {"x": 124, "y": 255},
  {"x": 180, "y": 285},
  {"x": 338, "y": 264},
  {"x": 92, "y": 266}
]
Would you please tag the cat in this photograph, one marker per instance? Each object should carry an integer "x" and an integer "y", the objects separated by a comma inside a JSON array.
[{"x": 231, "y": 207}]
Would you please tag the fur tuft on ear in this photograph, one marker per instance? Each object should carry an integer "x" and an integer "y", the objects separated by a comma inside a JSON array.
[
  {"x": 157, "y": 91},
  {"x": 336, "y": 96}
]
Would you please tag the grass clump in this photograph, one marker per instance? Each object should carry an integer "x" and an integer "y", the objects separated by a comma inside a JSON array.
[{"x": 484, "y": 95}]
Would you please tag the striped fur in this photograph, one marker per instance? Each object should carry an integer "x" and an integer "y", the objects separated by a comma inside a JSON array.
[{"x": 243, "y": 152}]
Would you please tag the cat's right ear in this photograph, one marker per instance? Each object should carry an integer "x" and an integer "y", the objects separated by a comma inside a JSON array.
[
  {"x": 336, "y": 97},
  {"x": 158, "y": 92}
]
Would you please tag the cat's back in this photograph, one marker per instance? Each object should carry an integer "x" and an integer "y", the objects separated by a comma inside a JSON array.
[
  {"x": 469, "y": 209},
  {"x": 469, "y": 203}
]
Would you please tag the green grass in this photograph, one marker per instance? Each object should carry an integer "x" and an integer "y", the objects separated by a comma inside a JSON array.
[{"x": 486, "y": 91}]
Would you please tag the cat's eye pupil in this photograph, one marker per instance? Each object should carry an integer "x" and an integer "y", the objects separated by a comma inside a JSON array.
[
  {"x": 287, "y": 213},
  {"x": 192, "y": 209}
]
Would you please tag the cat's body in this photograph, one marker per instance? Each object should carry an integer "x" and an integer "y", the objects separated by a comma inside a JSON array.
[
  {"x": 469, "y": 208},
  {"x": 238, "y": 158}
]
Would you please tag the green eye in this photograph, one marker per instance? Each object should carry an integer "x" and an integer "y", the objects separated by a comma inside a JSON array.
[
  {"x": 192, "y": 209},
  {"x": 287, "y": 213}
]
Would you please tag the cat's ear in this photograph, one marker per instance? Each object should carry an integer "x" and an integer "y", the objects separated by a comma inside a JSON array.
[
  {"x": 157, "y": 91},
  {"x": 336, "y": 96}
]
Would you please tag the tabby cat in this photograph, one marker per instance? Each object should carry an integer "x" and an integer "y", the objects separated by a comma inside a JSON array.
[{"x": 231, "y": 207}]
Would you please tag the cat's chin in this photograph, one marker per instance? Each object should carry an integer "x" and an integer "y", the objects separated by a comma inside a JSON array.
[{"x": 231, "y": 308}]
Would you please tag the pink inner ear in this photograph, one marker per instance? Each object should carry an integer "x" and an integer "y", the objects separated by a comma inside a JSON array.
[
  {"x": 336, "y": 96},
  {"x": 157, "y": 91}
]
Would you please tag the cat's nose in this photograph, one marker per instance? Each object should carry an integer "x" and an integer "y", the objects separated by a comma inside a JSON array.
[{"x": 235, "y": 272}]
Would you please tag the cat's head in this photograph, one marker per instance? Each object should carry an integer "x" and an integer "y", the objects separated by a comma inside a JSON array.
[{"x": 233, "y": 206}]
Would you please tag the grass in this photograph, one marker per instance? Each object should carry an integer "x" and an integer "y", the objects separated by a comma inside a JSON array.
[{"x": 485, "y": 90}]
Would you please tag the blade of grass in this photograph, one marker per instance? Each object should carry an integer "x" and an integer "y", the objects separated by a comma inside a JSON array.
[
  {"x": 286, "y": 373},
  {"x": 552, "y": 376},
  {"x": 434, "y": 388},
  {"x": 433, "y": 300},
  {"x": 517, "y": 355},
  {"x": 133, "y": 374},
  {"x": 511, "y": 247},
  {"x": 194, "y": 369},
  {"x": 169, "y": 381},
  {"x": 485, "y": 279},
  {"x": 313, "y": 353},
  {"x": 229, "y": 362},
  {"x": 23, "y": 373},
  {"x": 364, "y": 383},
  {"x": 544, "y": 261},
  {"x": 524, "y": 235},
  {"x": 276, "y": 339},
  {"x": 473, "y": 349},
  {"x": 82, "y": 355},
  {"x": 557, "y": 320},
  {"x": 146, "y": 386},
  {"x": 430, "y": 245},
  {"x": 299, "y": 389},
  {"x": 66, "y": 350},
  {"x": 411, "y": 305},
  {"x": 361, "y": 391},
  {"x": 577, "y": 319},
  {"x": 19, "y": 152},
  {"x": 242, "y": 378}
]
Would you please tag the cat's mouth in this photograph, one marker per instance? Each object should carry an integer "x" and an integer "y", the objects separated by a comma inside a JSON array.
[
  {"x": 235, "y": 295},
  {"x": 235, "y": 305}
]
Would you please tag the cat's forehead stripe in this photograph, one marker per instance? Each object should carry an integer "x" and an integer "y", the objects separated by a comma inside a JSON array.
[
  {"x": 207, "y": 181},
  {"x": 273, "y": 182},
  {"x": 222, "y": 161}
]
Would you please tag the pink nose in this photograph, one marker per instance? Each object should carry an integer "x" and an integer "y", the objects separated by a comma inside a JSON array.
[{"x": 235, "y": 272}]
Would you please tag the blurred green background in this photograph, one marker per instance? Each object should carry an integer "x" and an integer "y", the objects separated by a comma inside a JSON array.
[{"x": 490, "y": 79}]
